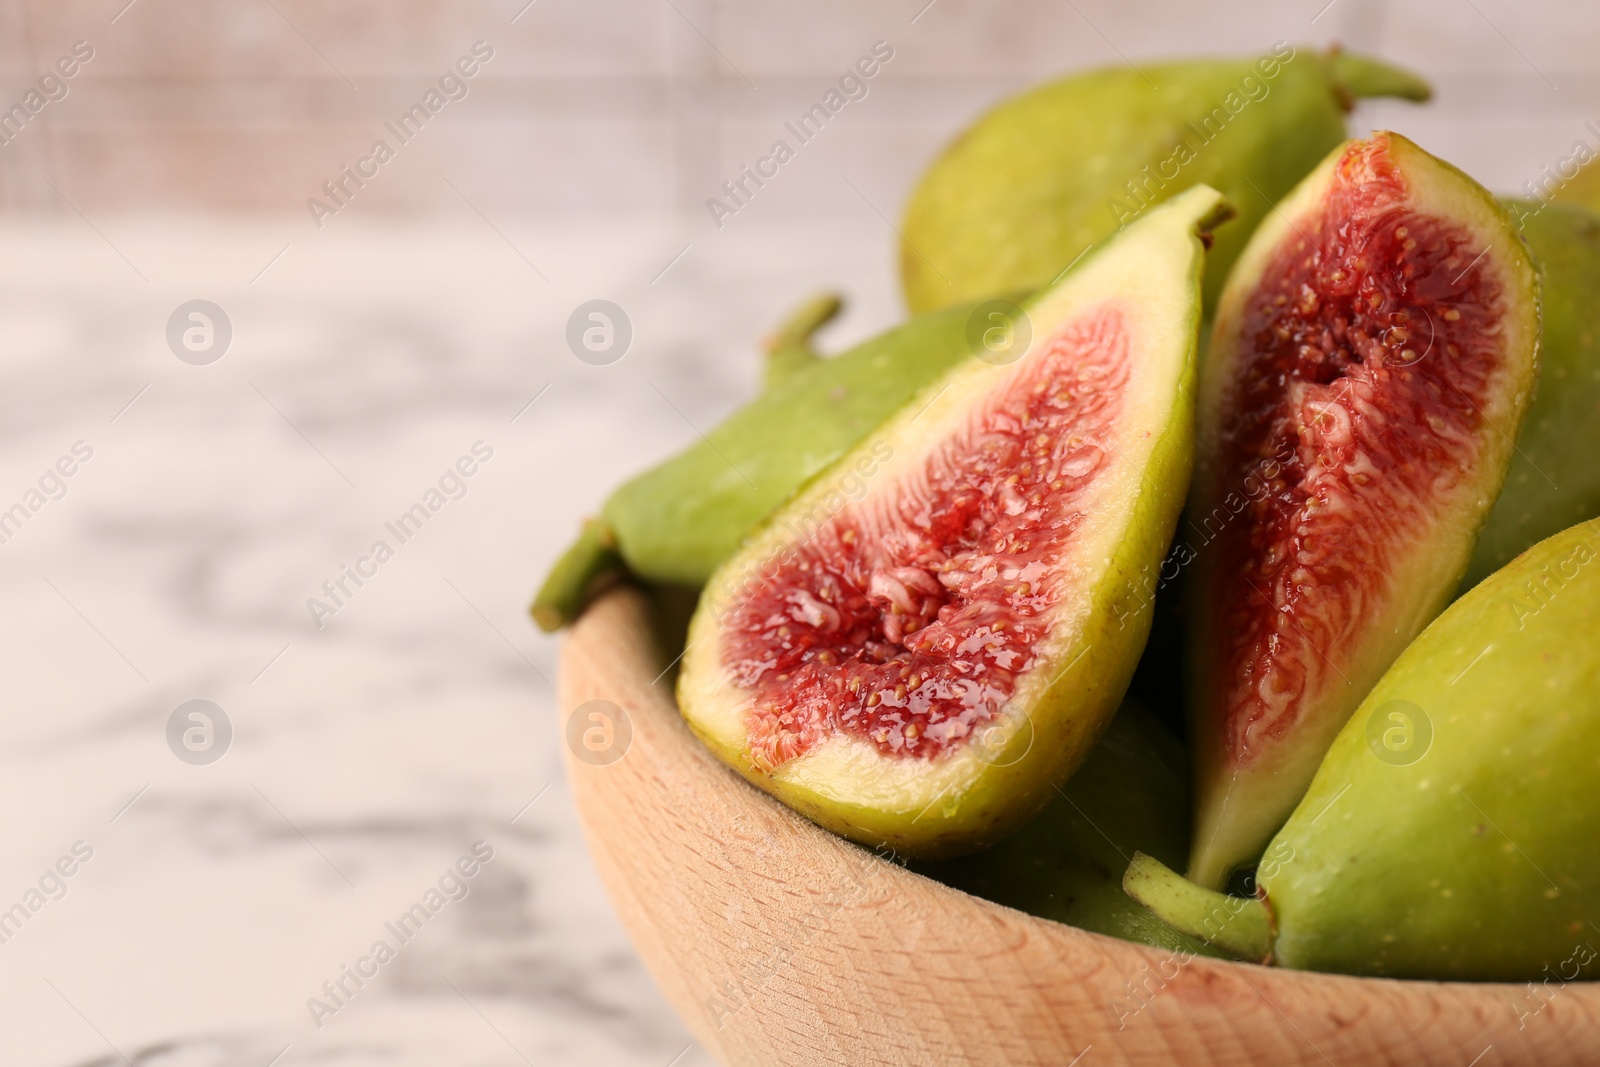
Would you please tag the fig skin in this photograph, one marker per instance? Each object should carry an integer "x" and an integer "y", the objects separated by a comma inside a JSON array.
[
  {"x": 1130, "y": 795},
  {"x": 965, "y": 799},
  {"x": 673, "y": 524},
  {"x": 1457, "y": 843},
  {"x": 1042, "y": 176},
  {"x": 1581, "y": 190},
  {"x": 1554, "y": 480},
  {"x": 789, "y": 349},
  {"x": 1240, "y": 803}
]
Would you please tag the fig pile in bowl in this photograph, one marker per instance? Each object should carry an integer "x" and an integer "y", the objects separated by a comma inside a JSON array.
[{"x": 1344, "y": 445}]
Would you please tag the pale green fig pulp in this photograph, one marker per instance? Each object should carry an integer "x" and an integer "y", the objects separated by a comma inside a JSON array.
[
  {"x": 1372, "y": 359},
  {"x": 1130, "y": 795},
  {"x": 1048, "y": 173},
  {"x": 1554, "y": 479},
  {"x": 917, "y": 649},
  {"x": 1450, "y": 832}
]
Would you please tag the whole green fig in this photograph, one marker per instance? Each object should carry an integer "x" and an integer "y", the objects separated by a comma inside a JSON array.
[
  {"x": 1450, "y": 832},
  {"x": 1581, "y": 189},
  {"x": 1049, "y": 173}
]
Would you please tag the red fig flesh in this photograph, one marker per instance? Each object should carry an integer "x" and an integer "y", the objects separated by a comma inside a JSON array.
[{"x": 1373, "y": 355}]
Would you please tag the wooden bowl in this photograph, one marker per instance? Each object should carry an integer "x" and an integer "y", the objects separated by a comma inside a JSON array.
[{"x": 780, "y": 943}]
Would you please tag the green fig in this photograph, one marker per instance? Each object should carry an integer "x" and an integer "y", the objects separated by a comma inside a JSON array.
[
  {"x": 1554, "y": 481},
  {"x": 1450, "y": 832},
  {"x": 1130, "y": 795},
  {"x": 1581, "y": 190},
  {"x": 1372, "y": 359},
  {"x": 1046, "y": 174},
  {"x": 929, "y": 638},
  {"x": 675, "y": 522}
]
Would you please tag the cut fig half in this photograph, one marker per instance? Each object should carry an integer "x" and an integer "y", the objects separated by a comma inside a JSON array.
[
  {"x": 928, "y": 639},
  {"x": 1372, "y": 358}
]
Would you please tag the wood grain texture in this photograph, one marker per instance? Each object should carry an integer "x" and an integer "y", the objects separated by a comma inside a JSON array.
[{"x": 779, "y": 943}]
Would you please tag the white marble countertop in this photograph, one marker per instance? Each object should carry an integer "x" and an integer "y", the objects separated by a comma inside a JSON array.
[{"x": 370, "y": 754}]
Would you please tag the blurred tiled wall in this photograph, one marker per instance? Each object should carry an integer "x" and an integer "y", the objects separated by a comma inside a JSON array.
[{"x": 621, "y": 107}]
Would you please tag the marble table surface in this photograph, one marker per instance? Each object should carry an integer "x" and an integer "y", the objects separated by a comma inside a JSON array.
[{"x": 377, "y": 740}]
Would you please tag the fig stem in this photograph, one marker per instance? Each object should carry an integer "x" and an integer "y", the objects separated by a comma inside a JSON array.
[
  {"x": 1359, "y": 78},
  {"x": 1239, "y": 926},
  {"x": 591, "y": 562},
  {"x": 788, "y": 347}
]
